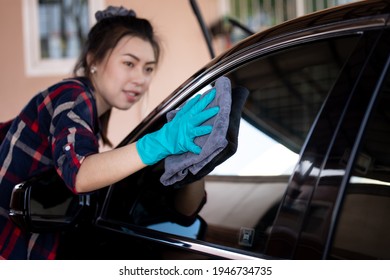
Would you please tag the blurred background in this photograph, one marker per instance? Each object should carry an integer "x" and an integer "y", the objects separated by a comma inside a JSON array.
[{"x": 41, "y": 40}]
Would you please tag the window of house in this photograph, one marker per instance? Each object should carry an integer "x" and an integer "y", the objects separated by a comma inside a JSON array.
[
  {"x": 258, "y": 15},
  {"x": 54, "y": 33}
]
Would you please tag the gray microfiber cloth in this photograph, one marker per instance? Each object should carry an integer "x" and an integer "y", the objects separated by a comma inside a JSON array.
[{"x": 178, "y": 166}]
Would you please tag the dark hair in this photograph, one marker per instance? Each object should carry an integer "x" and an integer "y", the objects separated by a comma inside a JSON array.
[{"x": 102, "y": 39}]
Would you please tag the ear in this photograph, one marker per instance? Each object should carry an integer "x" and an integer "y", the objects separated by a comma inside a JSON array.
[{"x": 90, "y": 58}]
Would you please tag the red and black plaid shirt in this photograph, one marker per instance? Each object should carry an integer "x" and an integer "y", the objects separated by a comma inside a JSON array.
[{"x": 57, "y": 129}]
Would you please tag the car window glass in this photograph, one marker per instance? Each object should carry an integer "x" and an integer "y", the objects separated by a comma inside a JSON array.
[
  {"x": 265, "y": 160},
  {"x": 236, "y": 204},
  {"x": 363, "y": 229},
  {"x": 287, "y": 90}
]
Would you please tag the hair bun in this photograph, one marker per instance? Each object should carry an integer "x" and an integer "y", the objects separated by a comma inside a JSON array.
[{"x": 112, "y": 11}]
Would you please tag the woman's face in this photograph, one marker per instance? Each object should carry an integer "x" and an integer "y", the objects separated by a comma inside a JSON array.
[{"x": 124, "y": 76}]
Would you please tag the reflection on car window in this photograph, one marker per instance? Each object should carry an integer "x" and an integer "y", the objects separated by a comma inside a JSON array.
[
  {"x": 366, "y": 207},
  {"x": 287, "y": 90},
  {"x": 264, "y": 160}
]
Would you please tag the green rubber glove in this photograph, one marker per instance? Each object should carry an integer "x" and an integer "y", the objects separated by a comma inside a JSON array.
[{"x": 177, "y": 136}]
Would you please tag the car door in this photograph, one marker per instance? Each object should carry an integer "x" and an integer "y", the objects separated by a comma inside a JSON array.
[{"x": 291, "y": 87}]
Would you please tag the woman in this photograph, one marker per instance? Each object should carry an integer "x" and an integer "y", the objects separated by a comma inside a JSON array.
[{"x": 60, "y": 127}]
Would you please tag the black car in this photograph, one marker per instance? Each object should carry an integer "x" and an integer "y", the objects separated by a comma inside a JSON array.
[{"x": 311, "y": 175}]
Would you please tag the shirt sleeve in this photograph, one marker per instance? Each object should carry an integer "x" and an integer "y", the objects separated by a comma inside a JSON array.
[
  {"x": 4, "y": 127},
  {"x": 72, "y": 131}
]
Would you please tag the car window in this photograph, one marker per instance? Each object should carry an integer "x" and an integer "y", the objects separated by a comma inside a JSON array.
[
  {"x": 236, "y": 204},
  {"x": 363, "y": 227},
  {"x": 264, "y": 161},
  {"x": 287, "y": 90}
]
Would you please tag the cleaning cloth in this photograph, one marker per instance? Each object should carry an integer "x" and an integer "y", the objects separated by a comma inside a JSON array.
[
  {"x": 178, "y": 166},
  {"x": 239, "y": 96}
]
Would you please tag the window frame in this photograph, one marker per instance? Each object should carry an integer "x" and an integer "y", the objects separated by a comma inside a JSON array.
[{"x": 35, "y": 65}]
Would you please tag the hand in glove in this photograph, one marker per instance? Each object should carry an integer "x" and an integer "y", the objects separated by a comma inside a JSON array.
[{"x": 177, "y": 136}]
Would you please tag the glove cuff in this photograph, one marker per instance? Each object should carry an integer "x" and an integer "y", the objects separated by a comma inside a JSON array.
[{"x": 150, "y": 149}]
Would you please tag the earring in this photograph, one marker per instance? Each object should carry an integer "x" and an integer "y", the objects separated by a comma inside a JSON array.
[{"x": 93, "y": 70}]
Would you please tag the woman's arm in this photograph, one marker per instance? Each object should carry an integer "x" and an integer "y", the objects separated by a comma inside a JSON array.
[
  {"x": 175, "y": 137},
  {"x": 189, "y": 198},
  {"x": 103, "y": 169}
]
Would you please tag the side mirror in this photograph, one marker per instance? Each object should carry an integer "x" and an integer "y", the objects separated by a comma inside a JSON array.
[{"x": 44, "y": 204}]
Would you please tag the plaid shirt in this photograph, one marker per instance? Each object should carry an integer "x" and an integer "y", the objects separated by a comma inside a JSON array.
[{"x": 57, "y": 129}]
